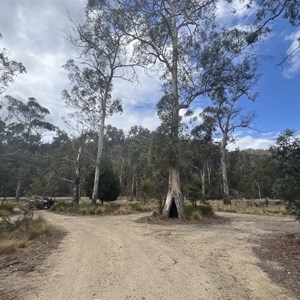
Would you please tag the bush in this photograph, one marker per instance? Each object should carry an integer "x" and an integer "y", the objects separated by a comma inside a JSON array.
[
  {"x": 15, "y": 234},
  {"x": 109, "y": 184},
  {"x": 286, "y": 155},
  {"x": 196, "y": 212},
  {"x": 7, "y": 208}
]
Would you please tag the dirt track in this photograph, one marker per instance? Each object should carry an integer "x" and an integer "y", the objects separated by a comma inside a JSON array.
[{"x": 114, "y": 257}]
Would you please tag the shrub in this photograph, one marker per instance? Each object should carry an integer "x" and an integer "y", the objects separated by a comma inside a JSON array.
[
  {"x": 206, "y": 209},
  {"x": 7, "y": 208},
  {"x": 196, "y": 212},
  {"x": 109, "y": 184},
  {"x": 15, "y": 234}
]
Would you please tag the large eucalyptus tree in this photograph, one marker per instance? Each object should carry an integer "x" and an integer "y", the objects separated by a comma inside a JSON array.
[
  {"x": 170, "y": 35},
  {"x": 102, "y": 58},
  {"x": 232, "y": 86}
]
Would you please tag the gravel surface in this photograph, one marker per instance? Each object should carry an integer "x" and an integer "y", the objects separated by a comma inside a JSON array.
[{"x": 115, "y": 257}]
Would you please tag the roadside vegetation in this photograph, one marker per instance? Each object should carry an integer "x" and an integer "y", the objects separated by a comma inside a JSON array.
[
  {"x": 193, "y": 210},
  {"x": 16, "y": 230},
  {"x": 253, "y": 207},
  {"x": 119, "y": 207}
]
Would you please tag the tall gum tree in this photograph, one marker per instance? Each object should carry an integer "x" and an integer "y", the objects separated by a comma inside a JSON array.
[
  {"x": 170, "y": 35},
  {"x": 26, "y": 125},
  {"x": 102, "y": 53},
  {"x": 232, "y": 86}
]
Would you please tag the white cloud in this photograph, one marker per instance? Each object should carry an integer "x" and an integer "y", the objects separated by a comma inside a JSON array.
[
  {"x": 147, "y": 90},
  {"x": 248, "y": 141},
  {"x": 36, "y": 38},
  {"x": 193, "y": 119},
  {"x": 293, "y": 66},
  {"x": 131, "y": 117},
  {"x": 235, "y": 10}
]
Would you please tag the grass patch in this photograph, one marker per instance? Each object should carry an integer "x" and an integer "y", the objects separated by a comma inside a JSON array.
[
  {"x": 202, "y": 210},
  {"x": 250, "y": 207},
  {"x": 7, "y": 208},
  {"x": 119, "y": 207},
  {"x": 16, "y": 234}
]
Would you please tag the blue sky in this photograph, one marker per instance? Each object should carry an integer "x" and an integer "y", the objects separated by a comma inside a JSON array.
[{"x": 33, "y": 31}]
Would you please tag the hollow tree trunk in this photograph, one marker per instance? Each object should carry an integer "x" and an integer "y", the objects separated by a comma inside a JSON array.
[
  {"x": 226, "y": 199},
  {"x": 174, "y": 201},
  {"x": 174, "y": 196},
  {"x": 76, "y": 194}
]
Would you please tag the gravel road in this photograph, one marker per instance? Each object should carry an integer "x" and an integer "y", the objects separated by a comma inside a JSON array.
[{"x": 113, "y": 257}]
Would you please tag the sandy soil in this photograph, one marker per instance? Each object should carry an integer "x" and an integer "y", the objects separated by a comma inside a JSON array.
[{"x": 114, "y": 257}]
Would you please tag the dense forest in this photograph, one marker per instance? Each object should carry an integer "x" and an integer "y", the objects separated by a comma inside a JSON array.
[{"x": 195, "y": 57}]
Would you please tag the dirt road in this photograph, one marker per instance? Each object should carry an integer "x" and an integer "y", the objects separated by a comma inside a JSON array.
[{"x": 114, "y": 257}]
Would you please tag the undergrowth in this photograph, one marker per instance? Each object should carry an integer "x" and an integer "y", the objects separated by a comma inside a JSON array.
[
  {"x": 121, "y": 207},
  {"x": 7, "y": 208},
  {"x": 204, "y": 209},
  {"x": 248, "y": 207},
  {"x": 16, "y": 233}
]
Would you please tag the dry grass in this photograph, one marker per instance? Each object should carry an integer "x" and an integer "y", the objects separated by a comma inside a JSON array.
[
  {"x": 14, "y": 235},
  {"x": 120, "y": 207},
  {"x": 250, "y": 207}
]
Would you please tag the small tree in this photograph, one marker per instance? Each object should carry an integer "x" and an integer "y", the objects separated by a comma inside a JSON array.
[
  {"x": 286, "y": 154},
  {"x": 109, "y": 184}
]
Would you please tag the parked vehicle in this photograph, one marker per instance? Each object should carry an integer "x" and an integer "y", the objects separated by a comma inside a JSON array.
[{"x": 42, "y": 202}]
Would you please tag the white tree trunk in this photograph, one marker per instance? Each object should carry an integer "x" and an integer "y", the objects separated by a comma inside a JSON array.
[
  {"x": 258, "y": 185},
  {"x": 174, "y": 201},
  {"x": 76, "y": 194},
  {"x": 133, "y": 182},
  {"x": 18, "y": 190},
  {"x": 226, "y": 198},
  {"x": 208, "y": 169},
  {"x": 98, "y": 160},
  {"x": 202, "y": 175}
]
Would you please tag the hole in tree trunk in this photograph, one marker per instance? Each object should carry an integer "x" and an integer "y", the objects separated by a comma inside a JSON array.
[{"x": 173, "y": 211}]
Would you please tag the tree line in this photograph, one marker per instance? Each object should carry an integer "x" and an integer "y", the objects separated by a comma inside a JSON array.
[{"x": 196, "y": 57}]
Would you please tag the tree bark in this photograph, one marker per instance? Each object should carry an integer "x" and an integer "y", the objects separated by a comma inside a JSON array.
[
  {"x": 18, "y": 190},
  {"x": 226, "y": 199},
  {"x": 133, "y": 182},
  {"x": 76, "y": 194},
  {"x": 258, "y": 185},
  {"x": 202, "y": 174},
  {"x": 208, "y": 169},
  {"x": 174, "y": 195},
  {"x": 98, "y": 160}
]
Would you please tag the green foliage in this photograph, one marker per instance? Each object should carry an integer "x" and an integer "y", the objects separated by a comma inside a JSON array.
[
  {"x": 7, "y": 208},
  {"x": 8, "y": 68},
  {"x": 109, "y": 184},
  {"x": 147, "y": 188},
  {"x": 119, "y": 207},
  {"x": 204, "y": 209},
  {"x": 286, "y": 153},
  {"x": 22, "y": 133},
  {"x": 15, "y": 234},
  {"x": 193, "y": 191}
]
